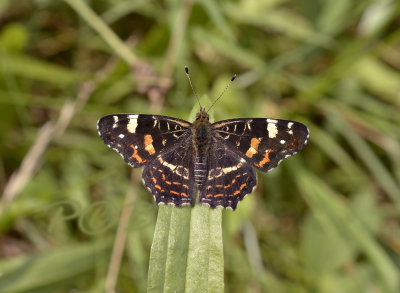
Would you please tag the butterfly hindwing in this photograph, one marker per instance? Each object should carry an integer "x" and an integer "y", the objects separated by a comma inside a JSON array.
[
  {"x": 229, "y": 178},
  {"x": 263, "y": 142},
  {"x": 140, "y": 138},
  {"x": 170, "y": 176}
]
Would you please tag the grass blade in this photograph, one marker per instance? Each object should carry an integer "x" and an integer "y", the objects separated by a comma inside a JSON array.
[
  {"x": 335, "y": 215},
  {"x": 158, "y": 254},
  {"x": 205, "y": 251}
]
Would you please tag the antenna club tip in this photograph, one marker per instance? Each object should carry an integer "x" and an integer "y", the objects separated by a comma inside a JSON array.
[
  {"x": 186, "y": 69},
  {"x": 233, "y": 77}
]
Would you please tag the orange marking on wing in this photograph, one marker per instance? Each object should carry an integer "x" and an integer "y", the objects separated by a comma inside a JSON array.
[
  {"x": 217, "y": 195},
  {"x": 154, "y": 180},
  {"x": 219, "y": 185},
  {"x": 174, "y": 192},
  {"x": 264, "y": 160},
  {"x": 294, "y": 143},
  {"x": 168, "y": 182},
  {"x": 163, "y": 176},
  {"x": 148, "y": 144},
  {"x": 184, "y": 185},
  {"x": 136, "y": 156},
  {"x": 176, "y": 183},
  {"x": 184, "y": 194},
  {"x": 238, "y": 191},
  {"x": 158, "y": 187},
  {"x": 253, "y": 149},
  {"x": 111, "y": 135}
]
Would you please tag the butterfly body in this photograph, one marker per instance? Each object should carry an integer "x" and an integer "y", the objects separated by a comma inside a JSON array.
[
  {"x": 201, "y": 137},
  {"x": 216, "y": 159}
]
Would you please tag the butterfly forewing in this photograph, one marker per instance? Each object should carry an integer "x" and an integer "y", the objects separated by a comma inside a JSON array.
[
  {"x": 141, "y": 138},
  {"x": 263, "y": 142}
]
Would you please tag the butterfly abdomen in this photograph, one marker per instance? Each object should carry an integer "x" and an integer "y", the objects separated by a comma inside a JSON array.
[{"x": 200, "y": 172}]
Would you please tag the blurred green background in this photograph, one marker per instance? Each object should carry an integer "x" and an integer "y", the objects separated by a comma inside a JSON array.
[{"x": 326, "y": 220}]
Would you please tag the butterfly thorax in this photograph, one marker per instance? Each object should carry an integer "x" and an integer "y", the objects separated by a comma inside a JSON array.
[{"x": 201, "y": 136}]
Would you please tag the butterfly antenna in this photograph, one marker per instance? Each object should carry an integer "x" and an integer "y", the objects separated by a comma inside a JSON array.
[
  {"x": 191, "y": 85},
  {"x": 232, "y": 79}
]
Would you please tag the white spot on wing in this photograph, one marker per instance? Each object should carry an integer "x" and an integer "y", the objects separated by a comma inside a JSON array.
[
  {"x": 133, "y": 123},
  {"x": 121, "y": 136},
  {"x": 180, "y": 171},
  {"x": 282, "y": 141},
  {"x": 215, "y": 173},
  {"x": 115, "y": 122},
  {"x": 229, "y": 169},
  {"x": 248, "y": 124},
  {"x": 272, "y": 121},
  {"x": 290, "y": 124},
  {"x": 272, "y": 130}
]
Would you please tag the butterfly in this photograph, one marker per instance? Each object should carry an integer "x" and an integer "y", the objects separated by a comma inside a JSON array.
[{"x": 217, "y": 159}]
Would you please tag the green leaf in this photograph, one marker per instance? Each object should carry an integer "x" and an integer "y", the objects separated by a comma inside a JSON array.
[
  {"x": 103, "y": 30},
  {"x": 14, "y": 37},
  {"x": 317, "y": 243},
  {"x": 335, "y": 217},
  {"x": 177, "y": 248},
  {"x": 35, "y": 69},
  {"x": 49, "y": 270},
  {"x": 204, "y": 271},
  {"x": 372, "y": 162}
]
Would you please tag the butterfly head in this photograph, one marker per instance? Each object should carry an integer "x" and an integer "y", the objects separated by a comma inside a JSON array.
[
  {"x": 202, "y": 115},
  {"x": 201, "y": 130}
]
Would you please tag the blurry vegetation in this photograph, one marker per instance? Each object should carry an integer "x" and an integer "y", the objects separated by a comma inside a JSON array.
[{"x": 326, "y": 220}]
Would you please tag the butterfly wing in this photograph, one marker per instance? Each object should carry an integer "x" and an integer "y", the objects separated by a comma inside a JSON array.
[
  {"x": 229, "y": 178},
  {"x": 263, "y": 142},
  {"x": 141, "y": 138},
  {"x": 170, "y": 176}
]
